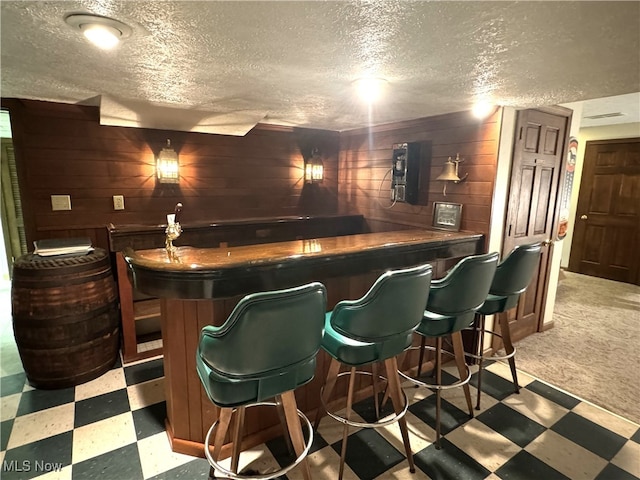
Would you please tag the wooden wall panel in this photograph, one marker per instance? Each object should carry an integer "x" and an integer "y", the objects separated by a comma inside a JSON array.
[
  {"x": 365, "y": 163},
  {"x": 62, "y": 149}
]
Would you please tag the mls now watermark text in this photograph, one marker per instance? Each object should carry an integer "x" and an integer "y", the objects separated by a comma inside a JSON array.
[{"x": 31, "y": 465}]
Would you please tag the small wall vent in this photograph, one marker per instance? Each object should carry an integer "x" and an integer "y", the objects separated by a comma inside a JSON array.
[{"x": 605, "y": 115}]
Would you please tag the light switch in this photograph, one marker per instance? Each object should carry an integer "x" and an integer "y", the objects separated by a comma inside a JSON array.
[
  {"x": 60, "y": 202},
  {"x": 118, "y": 202}
]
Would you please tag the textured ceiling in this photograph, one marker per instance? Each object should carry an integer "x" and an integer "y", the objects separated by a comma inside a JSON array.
[{"x": 224, "y": 66}]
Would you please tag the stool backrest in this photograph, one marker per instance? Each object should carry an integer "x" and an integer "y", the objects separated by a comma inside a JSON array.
[
  {"x": 394, "y": 305},
  {"x": 514, "y": 272},
  {"x": 267, "y": 333},
  {"x": 465, "y": 288}
]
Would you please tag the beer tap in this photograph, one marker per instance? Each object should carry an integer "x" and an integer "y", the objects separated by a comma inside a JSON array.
[{"x": 173, "y": 230}]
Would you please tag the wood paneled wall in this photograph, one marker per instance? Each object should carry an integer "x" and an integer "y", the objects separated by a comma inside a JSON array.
[
  {"x": 365, "y": 163},
  {"x": 62, "y": 149}
]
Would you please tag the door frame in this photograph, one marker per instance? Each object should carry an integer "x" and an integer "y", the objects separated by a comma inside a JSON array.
[
  {"x": 544, "y": 279},
  {"x": 553, "y": 251}
]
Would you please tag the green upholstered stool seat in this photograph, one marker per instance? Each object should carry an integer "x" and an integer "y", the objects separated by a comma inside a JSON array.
[
  {"x": 451, "y": 307},
  {"x": 353, "y": 352},
  {"x": 266, "y": 348},
  {"x": 436, "y": 325},
  {"x": 511, "y": 279},
  {"x": 230, "y": 392},
  {"x": 370, "y": 330},
  {"x": 496, "y": 303}
]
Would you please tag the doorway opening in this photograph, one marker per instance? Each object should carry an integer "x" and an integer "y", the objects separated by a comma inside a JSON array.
[
  {"x": 607, "y": 223},
  {"x": 13, "y": 240}
]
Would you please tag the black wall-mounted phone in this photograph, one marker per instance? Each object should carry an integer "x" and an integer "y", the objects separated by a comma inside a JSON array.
[
  {"x": 399, "y": 172},
  {"x": 405, "y": 178}
]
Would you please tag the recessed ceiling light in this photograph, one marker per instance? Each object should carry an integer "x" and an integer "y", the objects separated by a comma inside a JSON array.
[
  {"x": 103, "y": 32},
  {"x": 483, "y": 109},
  {"x": 370, "y": 89}
]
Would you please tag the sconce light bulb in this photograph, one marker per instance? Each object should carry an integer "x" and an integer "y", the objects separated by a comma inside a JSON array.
[{"x": 167, "y": 166}]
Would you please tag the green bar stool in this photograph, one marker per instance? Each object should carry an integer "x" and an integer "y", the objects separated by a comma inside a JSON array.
[
  {"x": 266, "y": 348},
  {"x": 512, "y": 277},
  {"x": 373, "y": 329},
  {"x": 451, "y": 307}
]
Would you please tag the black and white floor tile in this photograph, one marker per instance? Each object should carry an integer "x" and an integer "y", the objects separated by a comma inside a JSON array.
[{"x": 113, "y": 428}]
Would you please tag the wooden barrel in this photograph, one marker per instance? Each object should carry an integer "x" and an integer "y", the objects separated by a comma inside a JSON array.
[{"x": 65, "y": 318}]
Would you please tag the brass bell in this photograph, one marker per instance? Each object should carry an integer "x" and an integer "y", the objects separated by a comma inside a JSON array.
[{"x": 450, "y": 173}]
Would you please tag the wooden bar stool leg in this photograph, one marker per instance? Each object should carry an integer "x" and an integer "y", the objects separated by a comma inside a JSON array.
[
  {"x": 374, "y": 382},
  {"x": 238, "y": 428},
  {"x": 295, "y": 429},
  {"x": 283, "y": 422},
  {"x": 398, "y": 405},
  {"x": 508, "y": 347},
  {"x": 423, "y": 343},
  {"x": 329, "y": 385},
  {"x": 438, "y": 390},
  {"x": 480, "y": 322},
  {"x": 347, "y": 416},
  {"x": 401, "y": 360},
  {"x": 463, "y": 369},
  {"x": 224, "y": 419},
  {"x": 436, "y": 361}
]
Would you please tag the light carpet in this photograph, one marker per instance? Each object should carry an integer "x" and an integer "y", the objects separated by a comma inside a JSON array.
[{"x": 592, "y": 350}]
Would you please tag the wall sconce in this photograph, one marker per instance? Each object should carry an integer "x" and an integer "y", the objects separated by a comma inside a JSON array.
[
  {"x": 450, "y": 173},
  {"x": 167, "y": 165},
  {"x": 313, "y": 168}
]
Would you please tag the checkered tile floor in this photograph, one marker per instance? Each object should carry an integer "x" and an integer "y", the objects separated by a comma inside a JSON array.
[{"x": 112, "y": 428}]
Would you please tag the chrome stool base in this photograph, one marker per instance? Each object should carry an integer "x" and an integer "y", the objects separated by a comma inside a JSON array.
[
  {"x": 465, "y": 375},
  {"x": 393, "y": 390},
  {"x": 434, "y": 386},
  {"x": 266, "y": 476},
  {"x": 509, "y": 356},
  {"x": 492, "y": 357},
  {"x": 388, "y": 420}
]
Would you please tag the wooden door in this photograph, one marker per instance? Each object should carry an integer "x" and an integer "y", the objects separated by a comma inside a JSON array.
[
  {"x": 607, "y": 226},
  {"x": 537, "y": 162}
]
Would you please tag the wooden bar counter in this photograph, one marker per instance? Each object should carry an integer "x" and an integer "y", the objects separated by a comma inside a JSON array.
[
  {"x": 140, "y": 313},
  {"x": 200, "y": 286}
]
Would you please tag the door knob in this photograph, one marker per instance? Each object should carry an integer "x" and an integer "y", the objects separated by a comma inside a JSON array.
[{"x": 583, "y": 217}]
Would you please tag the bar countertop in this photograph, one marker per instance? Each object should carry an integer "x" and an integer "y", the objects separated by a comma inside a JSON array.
[
  {"x": 127, "y": 229},
  {"x": 210, "y": 234},
  {"x": 201, "y": 286},
  {"x": 197, "y": 273}
]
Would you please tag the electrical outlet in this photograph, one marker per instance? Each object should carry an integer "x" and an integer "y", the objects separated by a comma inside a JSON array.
[
  {"x": 118, "y": 202},
  {"x": 60, "y": 202}
]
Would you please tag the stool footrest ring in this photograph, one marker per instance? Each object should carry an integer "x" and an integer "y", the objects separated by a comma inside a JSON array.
[
  {"x": 265, "y": 476},
  {"x": 492, "y": 357},
  {"x": 380, "y": 423},
  {"x": 434, "y": 386}
]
